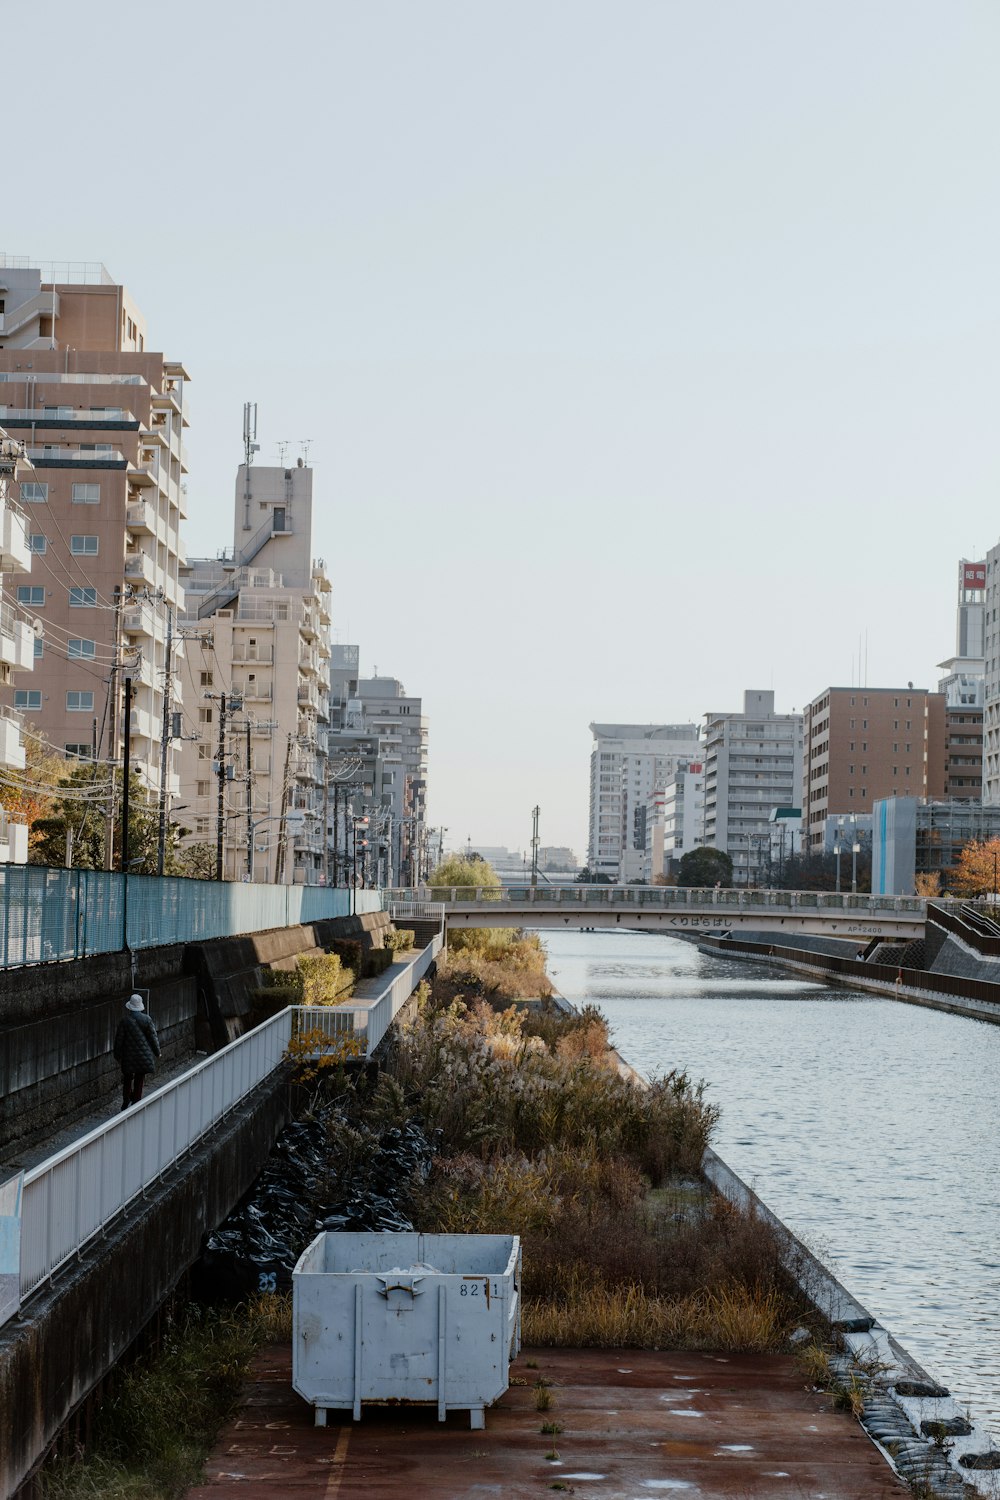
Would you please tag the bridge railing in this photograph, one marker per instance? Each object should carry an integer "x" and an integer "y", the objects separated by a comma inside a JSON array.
[
  {"x": 658, "y": 897},
  {"x": 72, "y": 1196},
  {"x": 48, "y": 913}
]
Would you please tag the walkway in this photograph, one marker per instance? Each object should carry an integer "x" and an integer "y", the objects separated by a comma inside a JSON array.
[{"x": 633, "y": 1424}]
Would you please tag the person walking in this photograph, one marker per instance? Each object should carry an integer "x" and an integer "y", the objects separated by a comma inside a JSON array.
[{"x": 136, "y": 1049}]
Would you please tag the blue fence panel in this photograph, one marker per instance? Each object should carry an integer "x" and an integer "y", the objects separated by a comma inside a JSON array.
[{"x": 49, "y": 914}]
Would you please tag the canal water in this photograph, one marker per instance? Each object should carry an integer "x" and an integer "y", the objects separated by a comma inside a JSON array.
[{"x": 871, "y": 1128}]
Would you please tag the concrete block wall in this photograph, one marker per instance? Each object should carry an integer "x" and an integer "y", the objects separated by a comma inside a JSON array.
[{"x": 57, "y": 1027}]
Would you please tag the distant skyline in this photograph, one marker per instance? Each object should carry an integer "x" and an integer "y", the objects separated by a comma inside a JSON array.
[{"x": 645, "y": 352}]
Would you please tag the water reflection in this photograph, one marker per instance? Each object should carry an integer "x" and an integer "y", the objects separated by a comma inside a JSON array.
[{"x": 871, "y": 1128}]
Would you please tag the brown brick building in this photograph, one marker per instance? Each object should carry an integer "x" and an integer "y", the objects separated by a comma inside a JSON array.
[{"x": 864, "y": 743}]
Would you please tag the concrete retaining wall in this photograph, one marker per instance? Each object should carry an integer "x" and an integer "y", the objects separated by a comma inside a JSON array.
[
  {"x": 71, "y": 1335},
  {"x": 58, "y": 1020}
]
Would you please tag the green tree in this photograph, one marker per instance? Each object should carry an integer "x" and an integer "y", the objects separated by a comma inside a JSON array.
[
  {"x": 81, "y": 806},
  {"x": 705, "y": 867}
]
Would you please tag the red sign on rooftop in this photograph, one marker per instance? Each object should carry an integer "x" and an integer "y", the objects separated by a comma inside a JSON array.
[{"x": 974, "y": 575}]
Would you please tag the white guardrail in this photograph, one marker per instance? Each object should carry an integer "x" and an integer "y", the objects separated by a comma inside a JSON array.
[{"x": 74, "y": 1195}]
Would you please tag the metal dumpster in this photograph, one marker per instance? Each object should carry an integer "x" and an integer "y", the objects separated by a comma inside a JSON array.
[{"x": 430, "y": 1318}]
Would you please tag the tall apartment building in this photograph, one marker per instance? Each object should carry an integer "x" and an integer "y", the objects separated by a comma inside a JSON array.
[
  {"x": 753, "y": 764},
  {"x": 627, "y": 763},
  {"x": 375, "y": 719},
  {"x": 862, "y": 744},
  {"x": 963, "y": 686},
  {"x": 991, "y": 680},
  {"x": 17, "y": 641},
  {"x": 675, "y": 817},
  {"x": 102, "y": 416},
  {"x": 257, "y": 623},
  {"x": 397, "y": 719}
]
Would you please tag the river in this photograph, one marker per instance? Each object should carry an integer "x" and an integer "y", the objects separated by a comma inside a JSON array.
[{"x": 871, "y": 1128}]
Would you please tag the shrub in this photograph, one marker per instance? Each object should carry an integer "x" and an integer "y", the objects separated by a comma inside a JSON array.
[{"x": 399, "y": 939}]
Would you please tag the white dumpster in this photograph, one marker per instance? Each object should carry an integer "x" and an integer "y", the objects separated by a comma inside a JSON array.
[{"x": 431, "y": 1318}]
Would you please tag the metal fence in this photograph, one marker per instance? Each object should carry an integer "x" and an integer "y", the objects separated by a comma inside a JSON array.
[
  {"x": 51, "y": 914},
  {"x": 74, "y": 1195}
]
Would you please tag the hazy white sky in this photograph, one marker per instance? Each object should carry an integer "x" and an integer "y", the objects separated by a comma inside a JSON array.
[{"x": 647, "y": 350}]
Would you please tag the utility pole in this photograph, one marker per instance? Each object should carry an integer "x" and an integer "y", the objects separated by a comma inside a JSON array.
[
  {"x": 249, "y": 806},
  {"x": 534, "y": 844},
  {"x": 115, "y": 737},
  {"x": 279, "y": 863},
  {"x": 161, "y": 846},
  {"x": 326, "y": 820},
  {"x": 221, "y": 815},
  {"x": 127, "y": 770}
]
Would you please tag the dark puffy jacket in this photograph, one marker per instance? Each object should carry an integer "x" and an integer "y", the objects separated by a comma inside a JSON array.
[{"x": 136, "y": 1044}]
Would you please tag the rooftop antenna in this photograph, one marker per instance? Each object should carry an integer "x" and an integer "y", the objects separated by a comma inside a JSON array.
[
  {"x": 306, "y": 445},
  {"x": 250, "y": 447},
  {"x": 282, "y": 447},
  {"x": 250, "y": 443}
]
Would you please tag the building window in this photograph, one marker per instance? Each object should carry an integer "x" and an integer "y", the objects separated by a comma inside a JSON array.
[
  {"x": 27, "y": 699},
  {"x": 37, "y": 542},
  {"x": 39, "y": 647},
  {"x": 204, "y": 788},
  {"x": 78, "y": 751},
  {"x": 34, "y": 493},
  {"x": 206, "y": 679},
  {"x": 204, "y": 752},
  {"x": 81, "y": 649},
  {"x": 204, "y": 716},
  {"x": 83, "y": 546},
  {"x": 81, "y": 598},
  {"x": 86, "y": 494},
  {"x": 31, "y": 594},
  {"x": 80, "y": 702}
]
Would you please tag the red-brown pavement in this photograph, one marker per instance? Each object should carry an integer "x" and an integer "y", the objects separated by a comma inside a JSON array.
[{"x": 636, "y": 1425}]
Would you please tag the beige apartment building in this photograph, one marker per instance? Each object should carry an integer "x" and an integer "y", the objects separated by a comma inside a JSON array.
[
  {"x": 860, "y": 744},
  {"x": 17, "y": 642},
  {"x": 102, "y": 416},
  {"x": 257, "y": 688}
]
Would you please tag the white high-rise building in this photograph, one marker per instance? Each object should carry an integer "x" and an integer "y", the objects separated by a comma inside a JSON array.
[
  {"x": 753, "y": 763},
  {"x": 674, "y": 821},
  {"x": 628, "y": 762}
]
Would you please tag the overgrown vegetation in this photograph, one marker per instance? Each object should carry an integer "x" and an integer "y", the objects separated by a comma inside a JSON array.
[
  {"x": 541, "y": 1133},
  {"x": 495, "y": 963},
  {"x": 156, "y": 1426}
]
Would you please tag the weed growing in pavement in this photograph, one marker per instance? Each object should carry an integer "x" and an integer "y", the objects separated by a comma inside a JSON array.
[
  {"x": 156, "y": 1426},
  {"x": 551, "y": 1429},
  {"x": 543, "y": 1397}
]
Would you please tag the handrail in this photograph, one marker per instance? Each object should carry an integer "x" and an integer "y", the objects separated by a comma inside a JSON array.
[
  {"x": 659, "y": 897},
  {"x": 73, "y": 1195}
]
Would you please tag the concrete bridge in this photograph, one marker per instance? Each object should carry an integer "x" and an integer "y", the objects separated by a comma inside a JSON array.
[{"x": 677, "y": 909}]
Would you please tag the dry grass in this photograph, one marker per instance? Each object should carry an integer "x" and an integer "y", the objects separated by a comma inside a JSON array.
[
  {"x": 626, "y": 1316},
  {"x": 493, "y": 963},
  {"x": 541, "y": 1135}
]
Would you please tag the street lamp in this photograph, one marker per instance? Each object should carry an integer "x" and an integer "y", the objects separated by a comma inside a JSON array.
[
  {"x": 855, "y": 851},
  {"x": 838, "y": 834}
]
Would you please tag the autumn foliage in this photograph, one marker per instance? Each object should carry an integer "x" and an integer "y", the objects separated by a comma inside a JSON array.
[{"x": 977, "y": 869}]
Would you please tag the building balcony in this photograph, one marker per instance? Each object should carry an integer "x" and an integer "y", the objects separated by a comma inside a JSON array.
[
  {"x": 77, "y": 458},
  {"x": 11, "y": 746},
  {"x": 17, "y": 640},
  {"x": 140, "y": 517},
  {"x": 111, "y": 418},
  {"x": 14, "y": 554},
  {"x": 144, "y": 474},
  {"x": 140, "y": 620},
  {"x": 244, "y": 654},
  {"x": 139, "y": 567},
  {"x": 13, "y": 842},
  {"x": 141, "y": 725}
]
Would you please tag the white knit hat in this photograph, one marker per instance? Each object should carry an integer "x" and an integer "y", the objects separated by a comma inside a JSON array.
[{"x": 135, "y": 1003}]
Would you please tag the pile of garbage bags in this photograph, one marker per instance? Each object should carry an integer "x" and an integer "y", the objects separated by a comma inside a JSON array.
[{"x": 302, "y": 1190}]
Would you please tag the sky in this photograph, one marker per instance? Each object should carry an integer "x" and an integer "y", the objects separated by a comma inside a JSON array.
[{"x": 645, "y": 351}]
